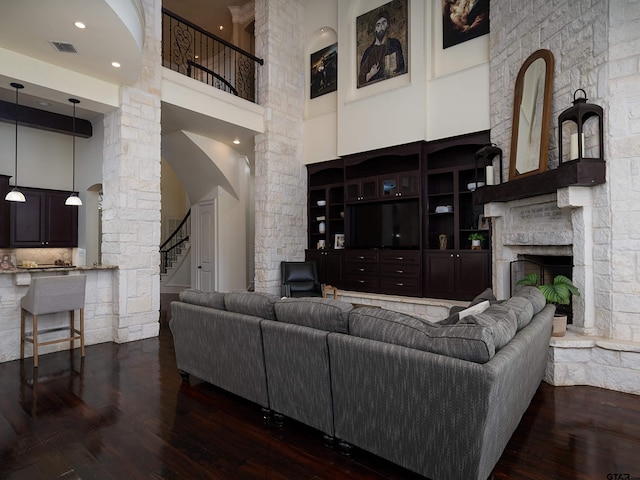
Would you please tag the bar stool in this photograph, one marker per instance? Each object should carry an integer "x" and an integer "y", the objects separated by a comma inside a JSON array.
[{"x": 51, "y": 295}]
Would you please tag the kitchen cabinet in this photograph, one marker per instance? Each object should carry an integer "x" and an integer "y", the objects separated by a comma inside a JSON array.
[{"x": 43, "y": 220}]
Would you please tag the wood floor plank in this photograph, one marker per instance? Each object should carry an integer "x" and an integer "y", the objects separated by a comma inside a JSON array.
[{"x": 124, "y": 412}]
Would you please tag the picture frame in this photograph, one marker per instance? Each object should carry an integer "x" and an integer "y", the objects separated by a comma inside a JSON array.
[
  {"x": 483, "y": 222},
  {"x": 338, "y": 241},
  {"x": 382, "y": 43},
  {"x": 6, "y": 261},
  {"x": 463, "y": 20},
  {"x": 324, "y": 71}
]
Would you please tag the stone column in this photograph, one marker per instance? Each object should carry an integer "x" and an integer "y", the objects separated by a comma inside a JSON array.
[
  {"x": 131, "y": 188},
  {"x": 280, "y": 180}
]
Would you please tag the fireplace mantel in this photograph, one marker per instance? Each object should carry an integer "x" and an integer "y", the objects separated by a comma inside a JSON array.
[{"x": 587, "y": 172}]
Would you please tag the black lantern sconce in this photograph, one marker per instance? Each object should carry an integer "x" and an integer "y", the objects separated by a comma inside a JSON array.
[
  {"x": 578, "y": 114},
  {"x": 484, "y": 160}
]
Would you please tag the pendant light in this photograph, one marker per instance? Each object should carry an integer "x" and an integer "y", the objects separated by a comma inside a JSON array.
[
  {"x": 16, "y": 195},
  {"x": 73, "y": 199}
]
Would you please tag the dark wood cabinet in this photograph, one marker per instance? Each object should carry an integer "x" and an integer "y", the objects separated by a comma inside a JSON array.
[
  {"x": 43, "y": 220},
  {"x": 396, "y": 272},
  {"x": 330, "y": 265},
  {"x": 456, "y": 274},
  {"x": 371, "y": 197}
]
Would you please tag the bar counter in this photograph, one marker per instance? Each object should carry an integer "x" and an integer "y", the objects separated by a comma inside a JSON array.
[{"x": 99, "y": 306}]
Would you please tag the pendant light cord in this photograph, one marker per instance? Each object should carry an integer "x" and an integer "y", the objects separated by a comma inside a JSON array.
[
  {"x": 73, "y": 174},
  {"x": 15, "y": 183}
]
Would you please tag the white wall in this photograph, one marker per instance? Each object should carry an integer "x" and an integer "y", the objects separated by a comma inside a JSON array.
[{"x": 445, "y": 92}]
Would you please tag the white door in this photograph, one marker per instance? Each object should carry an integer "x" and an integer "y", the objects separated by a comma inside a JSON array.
[{"x": 206, "y": 249}]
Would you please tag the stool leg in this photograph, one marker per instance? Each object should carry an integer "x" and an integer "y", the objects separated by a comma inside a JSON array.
[
  {"x": 35, "y": 341},
  {"x": 72, "y": 321},
  {"x": 82, "y": 332},
  {"x": 22, "y": 332}
]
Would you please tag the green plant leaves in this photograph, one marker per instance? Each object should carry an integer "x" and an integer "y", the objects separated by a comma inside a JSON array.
[{"x": 558, "y": 292}]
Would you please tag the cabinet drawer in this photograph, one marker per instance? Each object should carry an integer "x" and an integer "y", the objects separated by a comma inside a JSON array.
[
  {"x": 400, "y": 270},
  {"x": 400, "y": 257},
  {"x": 361, "y": 269},
  {"x": 362, "y": 256},
  {"x": 361, "y": 283},
  {"x": 403, "y": 286}
]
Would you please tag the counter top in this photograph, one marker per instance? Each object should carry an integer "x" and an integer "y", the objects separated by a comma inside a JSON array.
[{"x": 57, "y": 268}]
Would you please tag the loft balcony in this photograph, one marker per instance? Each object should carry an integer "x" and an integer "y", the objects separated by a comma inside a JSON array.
[{"x": 192, "y": 51}]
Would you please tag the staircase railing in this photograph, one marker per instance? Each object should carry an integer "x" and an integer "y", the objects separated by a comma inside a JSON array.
[
  {"x": 172, "y": 247},
  {"x": 192, "y": 51}
]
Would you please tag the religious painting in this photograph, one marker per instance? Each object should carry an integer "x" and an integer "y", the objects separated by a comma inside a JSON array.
[
  {"x": 382, "y": 43},
  {"x": 463, "y": 20},
  {"x": 324, "y": 71}
]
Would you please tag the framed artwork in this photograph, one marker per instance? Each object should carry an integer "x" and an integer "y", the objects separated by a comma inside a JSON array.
[
  {"x": 483, "y": 222},
  {"x": 338, "y": 241},
  {"x": 324, "y": 71},
  {"x": 382, "y": 43},
  {"x": 463, "y": 20},
  {"x": 7, "y": 262}
]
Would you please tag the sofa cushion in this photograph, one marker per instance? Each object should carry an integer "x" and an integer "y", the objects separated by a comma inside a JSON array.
[
  {"x": 470, "y": 342},
  {"x": 252, "y": 303},
  {"x": 499, "y": 319},
  {"x": 534, "y": 295},
  {"x": 321, "y": 313},
  {"x": 205, "y": 299},
  {"x": 486, "y": 294},
  {"x": 455, "y": 317},
  {"x": 523, "y": 309}
]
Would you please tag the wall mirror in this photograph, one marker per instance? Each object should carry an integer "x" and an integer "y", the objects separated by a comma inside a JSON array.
[{"x": 532, "y": 115}]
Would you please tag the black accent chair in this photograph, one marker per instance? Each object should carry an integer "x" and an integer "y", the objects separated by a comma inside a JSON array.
[{"x": 300, "y": 279}]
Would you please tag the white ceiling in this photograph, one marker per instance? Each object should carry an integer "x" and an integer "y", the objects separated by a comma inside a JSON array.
[{"x": 28, "y": 27}]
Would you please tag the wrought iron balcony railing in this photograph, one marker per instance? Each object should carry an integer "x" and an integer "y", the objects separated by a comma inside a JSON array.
[{"x": 192, "y": 51}]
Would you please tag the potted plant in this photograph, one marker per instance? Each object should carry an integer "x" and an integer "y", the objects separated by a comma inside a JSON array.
[
  {"x": 476, "y": 240},
  {"x": 558, "y": 292}
]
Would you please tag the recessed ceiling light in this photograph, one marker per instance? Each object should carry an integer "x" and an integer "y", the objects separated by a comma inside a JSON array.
[
  {"x": 115, "y": 64},
  {"x": 196, "y": 56},
  {"x": 221, "y": 27},
  {"x": 236, "y": 141},
  {"x": 80, "y": 25},
  {"x": 43, "y": 103}
]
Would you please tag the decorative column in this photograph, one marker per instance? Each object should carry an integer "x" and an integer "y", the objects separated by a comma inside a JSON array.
[
  {"x": 131, "y": 189},
  {"x": 280, "y": 180}
]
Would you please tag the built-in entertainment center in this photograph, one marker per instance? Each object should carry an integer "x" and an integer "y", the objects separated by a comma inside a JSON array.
[{"x": 397, "y": 220}]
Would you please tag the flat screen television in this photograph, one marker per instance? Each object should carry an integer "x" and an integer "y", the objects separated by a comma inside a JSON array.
[{"x": 385, "y": 225}]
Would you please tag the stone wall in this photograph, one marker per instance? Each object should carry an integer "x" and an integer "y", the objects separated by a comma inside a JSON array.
[
  {"x": 131, "y": 186},
  {"x": 596, "y": 45},
  {"x": 280, "y": 178}
]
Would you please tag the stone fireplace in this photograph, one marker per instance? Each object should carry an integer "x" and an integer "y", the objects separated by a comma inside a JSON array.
[{"x": 560, "y": 226}]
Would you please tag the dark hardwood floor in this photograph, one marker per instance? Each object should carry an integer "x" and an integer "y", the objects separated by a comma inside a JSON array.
[{"x": 124, "y": 413}]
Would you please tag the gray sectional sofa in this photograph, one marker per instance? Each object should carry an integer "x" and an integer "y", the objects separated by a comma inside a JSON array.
[{"x": 441, "y": 399}]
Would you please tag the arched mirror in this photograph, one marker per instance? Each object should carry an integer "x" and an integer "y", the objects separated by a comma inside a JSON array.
[{"x": 532, "y": 115}]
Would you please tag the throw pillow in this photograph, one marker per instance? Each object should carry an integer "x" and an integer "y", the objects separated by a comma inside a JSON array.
[{"x": 455, "y": 315}]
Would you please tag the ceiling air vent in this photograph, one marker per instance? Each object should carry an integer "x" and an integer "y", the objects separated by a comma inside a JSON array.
[{"x": 64, "y": 47}]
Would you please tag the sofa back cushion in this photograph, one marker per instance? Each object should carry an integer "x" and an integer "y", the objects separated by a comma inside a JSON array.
[
  {"x": 499, "y": 319},
  {"x": 256, "y": 304},
  {"x": 522, "y": 308},
  {"x": 205, "y": 299},
  {"x": 470, "y": 342},
  {"x": 534, "y": 296},
  {"x": 321, "y": 313}
]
